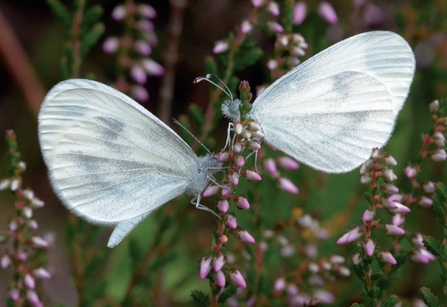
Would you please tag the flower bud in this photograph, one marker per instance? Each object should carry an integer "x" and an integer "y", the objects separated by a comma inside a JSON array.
[
  {"x": 434, "y": 106},
  {"x": 387, "y": 257},
  {"x": 245, "y": 237},
  {"x": 220, "y": 47},
  {"x": 205, "y": 267},
  {"x": 270, "y": 167},
  {"x": 41, "y": 273},
  {"x": 219, "y": 278},
  {"x": 369, "y": 247},
  {"x": 394, "y": 230},
  {"x": 242, "y": 203},
  {"x": 223, "y": 205},
  {"x": 399, "y": 208},
  {"x": 218, "y": 263},
  {"x": 238, "y": 279},
  {"x": 287, "y": 185},
  {"x": 422, "y": 255},
  {"x": 252, "y": 175},
  {"x": 240, "y": 161},
  {"x": 368, "y": 215},
  {"x": 299, "y": 13},
  {"x": 212, "y": 189},
  {"x": 231, "y": 221},
  {"x": 428, "y": 187},
  {"x": 5, "y": 261},
  {"x": 39, "y": 242},
  {"x": 425, "y": 201},
  {"x": 287, "y": 163},
  {"x": 223, "y": 157},
  {"x": 350, "y": 236},
  {"x": 280, "y": 285},
  {"x": 29, "y": 281},
  {"x": 327, "y": 12}
]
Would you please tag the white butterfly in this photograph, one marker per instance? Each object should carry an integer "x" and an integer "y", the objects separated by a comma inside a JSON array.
[
  {"x": 330, "y": 111},
  {"x": 110, "y": 160}
]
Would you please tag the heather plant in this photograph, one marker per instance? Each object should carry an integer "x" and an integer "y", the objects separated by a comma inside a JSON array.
[{"x": 281, "y": 234}]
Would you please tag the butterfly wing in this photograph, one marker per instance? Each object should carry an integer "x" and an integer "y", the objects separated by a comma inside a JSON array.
[
  {"x": 109, "y": 159},
  {"x": 330, "y": 111}
]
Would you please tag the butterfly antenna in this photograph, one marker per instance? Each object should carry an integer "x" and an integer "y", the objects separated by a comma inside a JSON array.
[
  {"x": 189, "y": 132},
  {"x": 207, "y": 78}
]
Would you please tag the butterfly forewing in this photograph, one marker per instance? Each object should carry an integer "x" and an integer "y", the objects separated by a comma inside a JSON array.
[
  {"x": 109, "y": 159},
  {"x": 330, "y": 111}
]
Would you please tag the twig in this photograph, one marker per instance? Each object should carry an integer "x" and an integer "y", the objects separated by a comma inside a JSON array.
[
  {"x": 175, "y": 28},
  {"x": 20, "y": 67}
]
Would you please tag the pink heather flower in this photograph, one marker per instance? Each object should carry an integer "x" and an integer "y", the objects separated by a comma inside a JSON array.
[
  {"x": 391, "y": 189},
  {"x": 14, "y": 294},
  {"x": 234, "y": 178},
  {"x": 41, "y": 273},
  {"x": 272, "y": 64},
  {"x": 223, "y": 205},
  {"x": 270, "y": 167},
  {"x": 410, "y": 171},
  {"x": 365, "y": 179},
  {"x": 140, "y": 93},
  {"x": 231, "y": 221},
  {"x": 399, "y": 208},
  {"x": 29, "y": 281},
  {"x": 143, "y": 47},
  {"x": 237, "y": 148},
  {"x": 439, "y": 139},
  {"x": 33, "y": 298},
  {"x": 280, "y": 285},
  {"x": 350, "y": 236},
  {"x": 119, "y": 13},
  {"x": 242, "y": 203},
  {"x": 257, "y": 3},
  {"x": 275, "y": 27},
  {"x": 388, "y": 203},
  {"x": 313, "y": 267},
  {"x": 220, "y": 47},
  {"x": 246, "y": 134},
  {"x": 245, "y": 237},
  {"x": 429, "y": 187},
  {"x": 4, "y": 184},
  {"x": 27, "y": 212},
  {"x": 434, "y": 106},
  {"x": 212, "y": 189},
  {"x": 5, "y": 261},
  {"x": 439, "y": 155},
  {"x": 425, "y": 201},
  {"x": 246, "y": 27},
  {"x": 219, "y": 278},
  {"x": 254, "y": 145},
  {"x": 147, "y": 11},
  {"x": 223, "y": 157},
  {"x": 327, "y": 12},
  {"x": 396, "y": 197},
  {"x": 337, "y": 259},
  {"x": 417, "y": 240},
  {"x": 238, "y": 128},
  {"x": 368, "y": 215},
  {"x": 390, "y": 160},
  {"x": 138, "y": 74},
  {"x": 369, "y": 247},
  {"x": 15, "y": 184},
  {"x": 287, "y": 251},
  {"x": 292, "y": 289},
  {"x": 394, "y": 230},
  {"x": 152, "y": 68},
  {"x": 218, "y": 263},
  {"x": 287, "y": 163},
  {"x": 299, "y": 13},
  {"x": 356, "y": 258},
  {"x": 343, "y": 271},
  {"x": 238, "y": 279},
  {"x": 39, "y": 242},
  {"x": 387, "y": 257},
  {"x": 37, "y": 203},
  {"x": 273, "y": 8},
  {"x": 240, "y": 161},
  {"x": 398, "y": 219},
  {"x": 205, "y": 267},
  {"x": 389, "y": 175},
  {"x": 253, "y": 176},
  {"x": 13, "y": 226},
  {"x": 422, "y": 256},
  {"x": 110, "y": 45},
  {"x": 287, "y": 185},
  {"x": 324, "y": 297}
]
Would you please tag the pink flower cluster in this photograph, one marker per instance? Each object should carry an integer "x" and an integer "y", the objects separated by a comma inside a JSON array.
[
  {"x": 386, "y": 198},
  {"x": 25, "y": 249},
  {"x": 135, "y": 47}
]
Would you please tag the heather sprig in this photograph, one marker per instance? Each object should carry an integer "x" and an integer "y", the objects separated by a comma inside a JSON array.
[
  {"x": 26, "y": 248},
  {"x": 133, "y": 48}
]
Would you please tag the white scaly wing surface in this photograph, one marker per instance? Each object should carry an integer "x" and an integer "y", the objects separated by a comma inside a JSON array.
[
  {"x": 109, "y": 159},
  {"x": 331, "y": 110}
]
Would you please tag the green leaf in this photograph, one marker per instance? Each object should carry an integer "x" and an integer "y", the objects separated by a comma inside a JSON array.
[
  {"x": 434, "y": 246},
  {"x": 440, "y": 204},
  {"x": 201, "y": 298},
  {"x": 90, "y": 38},
  {"x": 61, "y": 12},
  {"x": 229, "y": 292},
  {"x": 91, "y": 16},
  {"x": 429, "y": 298},
  {"x": 391, "y": 302},
  {"x": 247, "y": 55}
]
